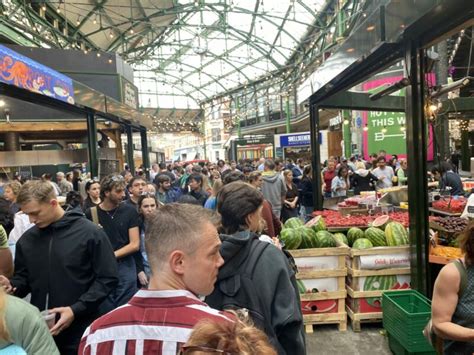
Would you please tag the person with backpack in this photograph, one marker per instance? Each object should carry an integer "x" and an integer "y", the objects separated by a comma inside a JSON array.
[
  {"x": 453, "y": 300},
  {"x": 256, "y": 275}
]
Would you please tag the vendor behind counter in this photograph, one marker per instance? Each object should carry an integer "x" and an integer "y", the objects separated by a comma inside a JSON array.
[{"x": 448, "y": 179}]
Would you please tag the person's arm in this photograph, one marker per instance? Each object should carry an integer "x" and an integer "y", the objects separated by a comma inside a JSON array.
[
  {"x": 278, "y": 292},
  {"x": 19, "y": 281},
  {"x": 6, "y": 263},
  {"x": 401, "y": 176},
  {"x": 335, "y": 184},
  {"x": 133, "y": 245},
  {"x": 34, "y": 336},
  {"x": 104, "y": 266},
  {"x": 445, "y": 300}
]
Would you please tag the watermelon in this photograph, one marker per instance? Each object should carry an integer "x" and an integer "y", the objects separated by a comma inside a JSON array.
[
  {"x": 376, "y": 237},
  {"x": 291, "y": 237},
  {"x": 380, "y": 222},
  {"x": 308, "y": 238},
  {"x": 353, "y": 234},
  {"x": 293, "y": 222},
  {"x": 341, "y": 238},
  {"x": 378, "y": 283},
  {"x": 362, "y": 243},
  {"x": 301, "y": 286},
  {"x": 317, "y": 224},
  {"x": 396, "y": 234},
  {"x": 325, "y": 239}
]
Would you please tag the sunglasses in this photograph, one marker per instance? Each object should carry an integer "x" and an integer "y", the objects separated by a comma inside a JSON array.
[
  {"x": 185, "y": 350},
  {"x": 117, "y": 178}
]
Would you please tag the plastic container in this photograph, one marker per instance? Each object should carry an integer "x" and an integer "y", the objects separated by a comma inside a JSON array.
[
  {"x": 50, "y": 319},
  {"x": 398, "y": 348},
  {"x": 405, "y": 314}
]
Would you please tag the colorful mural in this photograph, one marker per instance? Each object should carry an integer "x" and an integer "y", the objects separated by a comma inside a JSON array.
[{"x": 25, "y": 73}]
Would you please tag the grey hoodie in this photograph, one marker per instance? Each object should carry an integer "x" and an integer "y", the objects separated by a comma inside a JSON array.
[
  {"x": 277, "y": 289},
  {"x": 273, "y": 189}
]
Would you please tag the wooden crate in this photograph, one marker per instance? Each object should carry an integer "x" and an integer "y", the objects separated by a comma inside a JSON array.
[
  {"x": 364, "y": 306},
  {"x": 323, "y": 266}
]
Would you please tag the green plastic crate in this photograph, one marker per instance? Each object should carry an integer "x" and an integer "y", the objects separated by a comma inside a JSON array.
[
  {"x": 405, "y": 314},
  {"x": 398, "y": 348}
]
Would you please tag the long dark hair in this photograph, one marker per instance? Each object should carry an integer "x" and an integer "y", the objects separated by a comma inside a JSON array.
[
  {"x": 235, "y": 201},
  {"x": 6, "y": 216}
]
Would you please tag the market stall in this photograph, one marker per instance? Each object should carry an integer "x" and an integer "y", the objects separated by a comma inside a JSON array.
[{"x": 398, "y": 31}]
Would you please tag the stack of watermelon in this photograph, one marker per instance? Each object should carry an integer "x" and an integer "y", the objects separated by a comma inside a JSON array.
[
  {"x": 313, "y": 234},
  {"x": 395, "y": 234}
]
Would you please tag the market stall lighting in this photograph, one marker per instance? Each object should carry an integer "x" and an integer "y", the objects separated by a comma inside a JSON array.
[
  {"x": 346, "y": 122},
  {"x": 444, "y": 89},
  {"x": 390, "y": 89},
  {"x": 384, "y": 130},
  {"x": 366, "y": 128},
  {"x": 2, "y": 103},
  {"x": 402, "y": 128}
]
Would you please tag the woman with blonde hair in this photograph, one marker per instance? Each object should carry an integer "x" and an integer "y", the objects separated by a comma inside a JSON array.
[
  {"x": 211, "y": 202},
  {"x": 23, "y": 329},
  {"x": 238, "y": 337}
]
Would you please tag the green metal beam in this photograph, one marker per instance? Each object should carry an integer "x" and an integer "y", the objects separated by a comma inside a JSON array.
[
  {"x": 458, "y": 104},
  {"x": 185, "y": 48},
  {"x": 361, "y": 101},
  {"x": 98, "y": 5}
]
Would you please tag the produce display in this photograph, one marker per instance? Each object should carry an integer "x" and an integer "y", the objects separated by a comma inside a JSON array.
[
  {"x": 447, "y": 252},
  {"x": 452, "y": 224},
  {"x": 333, "y": 219},
  {"x": 450, "y": 204},
  {"x": 362, "y": 243},
  {"x": 313, "y": 234}
]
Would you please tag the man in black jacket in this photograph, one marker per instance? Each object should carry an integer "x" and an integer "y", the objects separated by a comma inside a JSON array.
[{"x": 65, "y": 261}]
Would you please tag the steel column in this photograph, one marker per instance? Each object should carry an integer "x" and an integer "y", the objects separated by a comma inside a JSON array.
[
  {"x": 92, "y": 145},
  {"x": 145, "y": 153},
  {"x": 416, "y": 153},
  {"x": 130, "y": 161},
  {"x": 288, "y": 115},
  {"x": 315, "y": 157}
]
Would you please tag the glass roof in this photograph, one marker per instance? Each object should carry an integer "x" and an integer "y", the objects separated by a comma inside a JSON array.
[
  {"x": 221, "y": 45},
  {"x": 185, "y": 52}
]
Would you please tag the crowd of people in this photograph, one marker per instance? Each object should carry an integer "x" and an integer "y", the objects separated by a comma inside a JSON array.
[{"x": 185, "y": 260}]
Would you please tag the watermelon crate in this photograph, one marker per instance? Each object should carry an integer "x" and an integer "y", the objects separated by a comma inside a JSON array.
[
  {"x": 369, "y": 273},
  {"x": 321, "y": 281}
]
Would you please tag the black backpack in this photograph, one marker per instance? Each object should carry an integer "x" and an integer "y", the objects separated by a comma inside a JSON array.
[{"x": 239, "y": 292}]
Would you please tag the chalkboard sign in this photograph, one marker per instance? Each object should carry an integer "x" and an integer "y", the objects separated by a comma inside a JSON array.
[{"x": 107, "y": 167}]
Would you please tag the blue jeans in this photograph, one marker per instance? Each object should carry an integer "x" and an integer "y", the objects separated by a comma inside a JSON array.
[{"x": 126, "y": 288}]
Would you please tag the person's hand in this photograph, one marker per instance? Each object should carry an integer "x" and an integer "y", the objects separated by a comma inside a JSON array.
[
  {"x": 277, "y": 243},
  {"x": 7, "y": 286},
  {"x": 142, "y": 278},
  {"x": 66, "y": 316}
]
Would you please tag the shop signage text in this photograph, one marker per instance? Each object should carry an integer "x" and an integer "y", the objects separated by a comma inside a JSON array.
[{"x": 297, "y": 140}]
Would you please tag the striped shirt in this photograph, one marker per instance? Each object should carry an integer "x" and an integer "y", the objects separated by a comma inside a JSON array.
[{"x": 152, "y": 322}]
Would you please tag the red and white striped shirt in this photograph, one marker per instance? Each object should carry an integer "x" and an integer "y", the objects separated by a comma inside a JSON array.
[{"x": 152, "y": 322}]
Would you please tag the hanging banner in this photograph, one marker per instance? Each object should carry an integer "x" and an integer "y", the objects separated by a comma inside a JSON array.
[
  {"x": 387, "y": 130},
  {"x": 25, "y": 73}
]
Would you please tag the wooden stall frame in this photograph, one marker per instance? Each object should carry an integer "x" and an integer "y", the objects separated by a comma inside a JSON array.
[
  {"x": 339, "y": 318},
  {"x": 354, "y": 271}
]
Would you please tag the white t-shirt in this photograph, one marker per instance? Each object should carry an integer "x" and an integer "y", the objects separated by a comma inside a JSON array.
[
  {"x": 385, "y": 177},
  {"x": 469, "y": 209}
]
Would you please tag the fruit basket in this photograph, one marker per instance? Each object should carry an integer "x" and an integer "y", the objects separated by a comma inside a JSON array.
[{"x": 405, "y": 314}]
